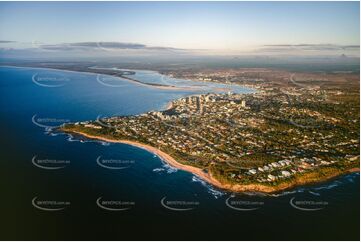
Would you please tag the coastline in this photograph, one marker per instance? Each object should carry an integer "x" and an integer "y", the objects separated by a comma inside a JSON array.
[
  {"x": 140, "y": 83},
  {"x": 207, "y": 176},
  {"x": 212, "y": 180},
  {"x": 164, "y": 156},
  {"x": 162, "y": 87}
]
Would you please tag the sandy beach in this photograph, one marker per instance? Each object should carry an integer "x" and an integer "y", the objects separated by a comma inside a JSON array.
[
  {"x": 164, "y": 156},
  {"x": 208, "y": 176}
]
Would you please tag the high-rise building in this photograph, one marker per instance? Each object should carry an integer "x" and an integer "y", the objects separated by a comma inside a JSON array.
[{"x": 243, "y": 104}]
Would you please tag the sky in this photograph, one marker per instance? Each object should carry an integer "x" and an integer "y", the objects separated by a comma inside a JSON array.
[{"x": 212, "y": 26}]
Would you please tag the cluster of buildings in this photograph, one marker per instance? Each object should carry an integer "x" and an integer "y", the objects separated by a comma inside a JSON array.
[{"x": 215, "y": 128}]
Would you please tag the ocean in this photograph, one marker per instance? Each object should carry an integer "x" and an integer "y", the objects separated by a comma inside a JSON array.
[{"x": 143, "y": 198}]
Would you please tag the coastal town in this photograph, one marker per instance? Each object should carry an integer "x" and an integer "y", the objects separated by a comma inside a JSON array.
[
  {"x": 180, "y": 120},
  {"x": 271, "y": 136}
]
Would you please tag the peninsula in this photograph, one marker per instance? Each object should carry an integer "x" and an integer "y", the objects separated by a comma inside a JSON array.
[{"x": 282, "y": 136}]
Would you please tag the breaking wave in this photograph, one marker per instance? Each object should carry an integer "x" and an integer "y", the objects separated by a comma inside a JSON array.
[
  {"x": 216, "y": 193},
  {"x": 165, "y": 168},
  {"x": 315, "y": 190},
  {"x": 71, "y": 138}
]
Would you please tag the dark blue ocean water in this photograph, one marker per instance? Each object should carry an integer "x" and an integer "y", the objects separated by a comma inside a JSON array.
[{"x": 196, "y": 210}]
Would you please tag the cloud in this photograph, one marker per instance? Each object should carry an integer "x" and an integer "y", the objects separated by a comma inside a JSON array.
[
  {"x": 113, "y": 45},
  {"x": 6, "y": 41},
  {"x": 110, "y": 46},
  {"x": 307, "y": 47}
]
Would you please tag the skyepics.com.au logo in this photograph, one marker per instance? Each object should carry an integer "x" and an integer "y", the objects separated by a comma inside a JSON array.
[
  {"x": 106, "y": 122},
  {"x": 114, "y": 164},
  {"x": 301, "y": 84},
  {"x": 114, "y": 205},
  {"x": 110, "y": 81},
  {"x": 234, "y": 164},
  {"x": 49, "y": 164},
  {"x": 308, "y": 205},
  {"x": 48, "y": 123},
  {"x": 107, "y": 46},
  {"x": 243, "y": 205},
  {"x": 179, "y": 205},
  {"x": 49, "y": 205},
  {"x": 50, "y": 79},
  {"x": 300, "y": 117}
]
